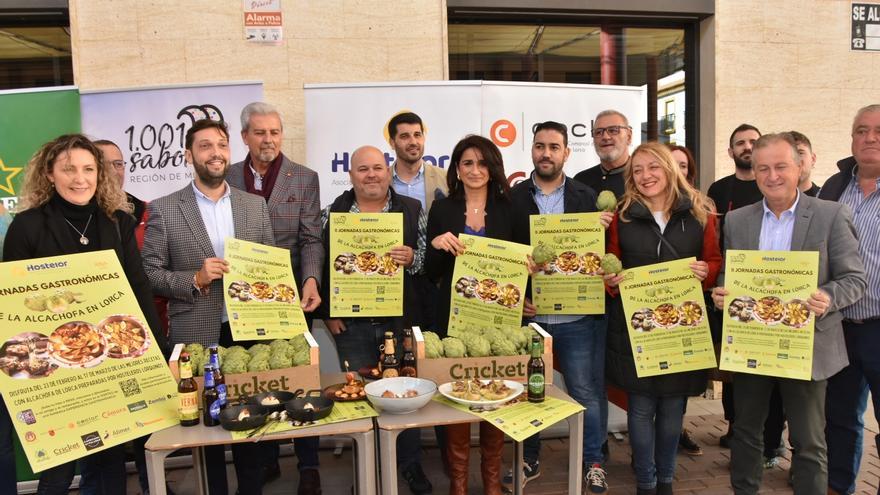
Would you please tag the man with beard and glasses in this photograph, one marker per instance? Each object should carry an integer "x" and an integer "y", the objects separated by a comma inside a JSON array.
[
  {"x": 183, "y": 258},
  {"x": 578, "y": 340},
  {"x": 292, "y": 196},
  {"x": 729, "y": 193},
  {"x": 612, "y": 136}
]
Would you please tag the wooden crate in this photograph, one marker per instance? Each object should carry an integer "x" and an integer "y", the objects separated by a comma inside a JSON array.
[
  {"x": 442, "y": 370},
  {"x": 251, "y": 383}
]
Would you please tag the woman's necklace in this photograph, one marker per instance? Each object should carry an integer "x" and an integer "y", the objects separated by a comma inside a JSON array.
[
  {"x": 82, "y": 235},
  {"x": 475, "y": 211}
]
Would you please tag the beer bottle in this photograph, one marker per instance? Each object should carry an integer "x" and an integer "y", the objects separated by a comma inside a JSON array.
[
  {"x": 219, "y": 379},
  {"x": 536, "y": 371},
  {"x": 210, "y": 399},
  {"x": 390, "y": 363},
  {"x": 187, "y": 394},
  {"x": 408, "y": 361}
]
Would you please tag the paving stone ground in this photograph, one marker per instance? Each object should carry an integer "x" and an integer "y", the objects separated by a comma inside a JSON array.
[{"x": 700, "y": 475}]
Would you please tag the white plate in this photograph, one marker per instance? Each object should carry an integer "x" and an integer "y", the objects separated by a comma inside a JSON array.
[{"x": 517, "y": 387}]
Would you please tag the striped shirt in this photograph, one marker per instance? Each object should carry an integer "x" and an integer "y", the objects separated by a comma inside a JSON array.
[{"x": 866, "y": 218}]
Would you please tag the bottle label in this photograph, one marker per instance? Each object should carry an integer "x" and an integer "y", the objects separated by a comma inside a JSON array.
[
  {"x": 536, "y": 384},
  {"x": 214, "y": 410},
  {"x": 221, "y": 393},
  {"x": 186, "y": 370},
  {"x": 389, "y": 373},
  {"x": 188, "y": 407},
  {"x": 408, "y": 371}
]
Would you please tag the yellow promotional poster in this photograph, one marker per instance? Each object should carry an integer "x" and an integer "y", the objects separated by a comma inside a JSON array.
[
  {"x": 520, "y": 419},
  {"x": 768, "y": 329},
  {"x": 569, "y": 283},
  {"x": 81, "y": 371},
  {"x": 364, "y": 279},
  {"x": 342, "y": 411},
  {"x": 261, "y": 297},
  {"x": 490, "y": 284},
  {"x": 666, "y": 318}
]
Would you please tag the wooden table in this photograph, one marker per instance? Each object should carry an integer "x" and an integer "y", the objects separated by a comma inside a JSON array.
[
  {"x": 164, "y": 442},
  {"x": 436, "y": 413}
]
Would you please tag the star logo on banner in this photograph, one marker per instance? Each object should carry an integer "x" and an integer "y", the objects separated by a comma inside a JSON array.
[{"x": 6, "y": 175}]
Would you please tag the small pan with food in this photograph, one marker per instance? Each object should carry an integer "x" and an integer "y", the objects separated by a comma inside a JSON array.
[
  {"x": 311, "y": 407},
  {"x": 274, "y": 400},
  {"x": 245, "y": 417}
]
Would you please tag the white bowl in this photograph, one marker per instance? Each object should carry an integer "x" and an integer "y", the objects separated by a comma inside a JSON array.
[{"x": 398, "y": 385}]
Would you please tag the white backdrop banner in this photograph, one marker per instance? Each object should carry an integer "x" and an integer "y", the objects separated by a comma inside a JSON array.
[
  {"x": 342, "y": 117},
  {"x": 150, "y": 124}
]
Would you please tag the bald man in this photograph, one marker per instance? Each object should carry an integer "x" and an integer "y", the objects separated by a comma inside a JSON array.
[{"x": 358, "y": 339}]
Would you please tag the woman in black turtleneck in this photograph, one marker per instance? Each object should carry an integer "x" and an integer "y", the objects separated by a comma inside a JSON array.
[{"x": 70, "y": 203}]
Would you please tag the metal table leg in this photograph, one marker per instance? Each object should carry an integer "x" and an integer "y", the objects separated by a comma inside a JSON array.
[
  {"x": 365, "y": 469},
  {"x": 517, "y": 468},
  {"x": 156, "y": 470},
  {"x": 201, "y": 472},
  {"x": 388, "y": 460},
  {"x": 575, "y": 451}
]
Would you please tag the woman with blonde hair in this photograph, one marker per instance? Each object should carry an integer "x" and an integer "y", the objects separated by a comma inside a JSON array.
[
  {"x": 71, "y": 203},
  {"x": 661, "y": 218}
]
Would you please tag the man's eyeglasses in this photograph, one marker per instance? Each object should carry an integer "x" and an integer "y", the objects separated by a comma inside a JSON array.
[
  {"x": 118, "y": 164},
  {"x": 612, "y": 130}
]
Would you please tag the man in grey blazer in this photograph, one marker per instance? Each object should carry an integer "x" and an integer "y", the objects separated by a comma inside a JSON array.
[
  {"x": 183, "y": 258},
  {"x": 292, "y": 196},
  {"x": 788, "y": 220}
]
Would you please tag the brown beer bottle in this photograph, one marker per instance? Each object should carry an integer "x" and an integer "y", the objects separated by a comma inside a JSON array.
[
  {"x": 390, "y": 363},
  {"x": 187, "y": 394},
  {"x": 536, "y": 371},
  {"x": 408, "y": 361}
]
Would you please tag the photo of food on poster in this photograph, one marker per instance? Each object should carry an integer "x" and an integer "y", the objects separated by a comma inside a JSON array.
[
  {"x": 260, "y": 292},
  {"x": 666, "y": 318},
  {"x": 364, "y": 279},
  {"x": 79, "y": 368},
  {"x": 572, "y": 245},
  {"x": 489, "y": 282},
  {"x": 768, "y": 329}
]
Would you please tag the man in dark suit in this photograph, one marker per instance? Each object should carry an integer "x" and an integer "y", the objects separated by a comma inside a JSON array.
[
  {"x": 292, "y": 196},
  {"x": 183, "y": 258},
  {"x": 787, "y": 220}
]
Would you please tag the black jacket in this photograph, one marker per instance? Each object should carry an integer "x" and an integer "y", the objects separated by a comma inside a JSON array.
[
  {"x": 448, "y": 215},
  {"x": 578, "y": 198},
  {"x": 411, "y": 208},
  {"x": 637, "y": 242},
  {"x": 42, "y": 231},
  {"x": 836, "y": 184}
]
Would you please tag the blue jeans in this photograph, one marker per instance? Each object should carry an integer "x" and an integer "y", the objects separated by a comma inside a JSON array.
[
  {"x": 359, "y": 345},
  {"x": 8, "y": 485},
  {"x": 579, "y": 349},
  {"x": 654, "y": 429},
  {"x": 846, "y": 402}
]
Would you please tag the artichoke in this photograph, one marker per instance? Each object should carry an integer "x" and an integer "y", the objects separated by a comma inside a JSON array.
[
  {"x": 503, "y": 347},
  {"x": 607, "y": 201},
  {"x": 611, "y": 264},
  {"x": 543, "y": 253},
  {"x": 259, "y": 349},
  {"x": 279, "y": 360},
  {"x": 302, "y": 357},
  {"x": 453, "y": 347},
  {"x": 433, "y": 345},
  {"x": 478, "y": 346},
  {"x": 233, "y": 366},
  {"x": 258, "y": 364}
]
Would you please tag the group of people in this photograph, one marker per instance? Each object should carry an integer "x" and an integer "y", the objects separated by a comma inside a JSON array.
[{"x": 172, "y": 254}]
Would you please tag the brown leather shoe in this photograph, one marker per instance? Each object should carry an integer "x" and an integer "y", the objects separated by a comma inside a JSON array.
[
  {"x": 458, "y": 452},
  {"x": 309, "y": 482},
  {"x": 491, "y": 445}
]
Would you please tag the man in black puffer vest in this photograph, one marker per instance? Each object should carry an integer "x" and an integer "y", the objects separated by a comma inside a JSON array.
[{"x": 358, "y": 339}]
